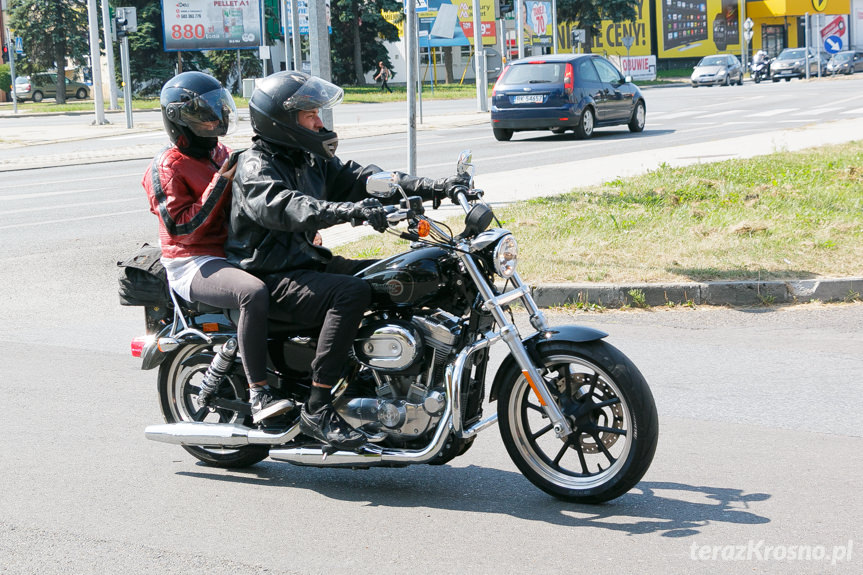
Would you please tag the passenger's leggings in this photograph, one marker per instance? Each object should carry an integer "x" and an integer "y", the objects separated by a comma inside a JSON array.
[{"x": 220, "y": 284}]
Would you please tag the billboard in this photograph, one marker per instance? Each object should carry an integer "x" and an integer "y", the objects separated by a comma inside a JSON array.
[
  {"x": 695, "y": 28},
  {"x": 450, "y": 23},
  {"x": 537, "y": 23},
  {"x": 211, "y": 24},
  {"x": 303, "y": 16},
  {"x": 610, "y": 39}
]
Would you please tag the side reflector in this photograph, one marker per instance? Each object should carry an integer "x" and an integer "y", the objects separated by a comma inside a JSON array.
[
  {"x": 138, "y": 345},
  {"x": 533, "y": 387},
  {"x": 210, "y": 327}
]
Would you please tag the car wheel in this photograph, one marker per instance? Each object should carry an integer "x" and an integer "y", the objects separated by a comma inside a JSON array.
[
  {"x": 584, "y": 130},
  {"x": 37, "y": 96},
  {"x": 636, "y": 123},
  {"x": 775, "y": 79},
  {"x": 788, "y": 79},
  {"x": 81, "y": 93},
  {"x": 502, "y": 134},
  {"x": 727, "y": 81},
  {"x": 695, "y": 85},
  {"x": 740, "y": 79}
]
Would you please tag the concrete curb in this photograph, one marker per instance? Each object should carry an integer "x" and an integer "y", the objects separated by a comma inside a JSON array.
[{"x": 731, "y": 293}]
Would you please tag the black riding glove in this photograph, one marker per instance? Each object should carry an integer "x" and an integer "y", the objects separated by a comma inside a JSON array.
[
  {"x": 372, "y": 211},
  {"x": 433, "y": 189}
]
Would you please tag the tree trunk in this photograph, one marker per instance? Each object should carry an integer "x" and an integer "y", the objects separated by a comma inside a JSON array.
[
  {"x": 358, "y": 53},
  {"x": 60, "y": 60},
  {"x": 447, "y": 63}
]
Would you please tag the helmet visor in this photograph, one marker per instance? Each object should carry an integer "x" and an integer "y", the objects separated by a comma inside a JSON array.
[
  {"x": 211, "y": 114},
  {"x": 315, "y": 94}
]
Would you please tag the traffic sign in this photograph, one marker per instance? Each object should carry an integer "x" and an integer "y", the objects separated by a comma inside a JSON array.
[
  {"x": 833, "y": 44},
  {"x": 628, "y": 41},
  {"x": 747, "y": 35},
  {"x": 748, "y": 24},
  {"x": 19, "y": 45}
]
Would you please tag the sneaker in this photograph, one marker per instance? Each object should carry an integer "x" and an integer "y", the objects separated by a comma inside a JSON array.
[
  {"x": 328, "y": 427},
  {"x": 264, "y": 405}
]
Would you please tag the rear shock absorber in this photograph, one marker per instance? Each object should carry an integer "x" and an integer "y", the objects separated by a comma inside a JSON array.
[{"x": 217, "y": 371}]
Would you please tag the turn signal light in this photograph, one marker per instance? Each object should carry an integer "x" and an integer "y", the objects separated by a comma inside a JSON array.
[{"x": 423, "y": 228}]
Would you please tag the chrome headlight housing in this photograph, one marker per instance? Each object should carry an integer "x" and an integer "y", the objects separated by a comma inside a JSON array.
[{"x": 506, "y": 256}]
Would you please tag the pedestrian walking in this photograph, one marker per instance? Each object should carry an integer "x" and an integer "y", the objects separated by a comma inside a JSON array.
[{"x": 383, "y": 75}]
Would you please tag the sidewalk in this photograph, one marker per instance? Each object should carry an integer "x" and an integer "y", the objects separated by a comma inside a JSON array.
[{"x": 532, "y": 182}]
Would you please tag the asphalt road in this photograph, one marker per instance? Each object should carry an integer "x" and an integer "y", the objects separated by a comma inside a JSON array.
[{"x": 759, "y": 424}]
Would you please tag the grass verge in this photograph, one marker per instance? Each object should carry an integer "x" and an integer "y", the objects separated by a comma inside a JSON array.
[{"x": 787, "y": 215}]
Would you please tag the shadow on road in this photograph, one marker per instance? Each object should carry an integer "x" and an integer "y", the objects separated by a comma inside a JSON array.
[{"x": 670, "y": 509}]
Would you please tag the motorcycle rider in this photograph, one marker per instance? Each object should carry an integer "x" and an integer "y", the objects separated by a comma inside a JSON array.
[
  {"x": 288, "y": 185},
  {"x": 188, "y": 187}
]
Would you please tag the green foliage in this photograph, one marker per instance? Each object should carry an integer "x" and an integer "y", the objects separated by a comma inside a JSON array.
[
  {"x": 359, "y": 30},
  {"x": 5, "y": 78}
]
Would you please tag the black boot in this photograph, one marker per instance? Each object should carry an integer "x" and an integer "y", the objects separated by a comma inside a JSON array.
[{"x": 328, "y": 427}]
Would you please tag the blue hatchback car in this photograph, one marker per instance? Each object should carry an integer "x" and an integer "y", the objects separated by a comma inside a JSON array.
[{"x": 561, "y": 92}]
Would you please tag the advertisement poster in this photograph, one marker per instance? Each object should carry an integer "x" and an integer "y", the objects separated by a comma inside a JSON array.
[
  {"x": 450, "y": 23},
  {"x": 610, "y": 39},
  {"x": 537, "y": 25},
  {"x": 303, "y": 12},
  {"x": 211, "y": 24},
  {"x": 694, "y": 28}
]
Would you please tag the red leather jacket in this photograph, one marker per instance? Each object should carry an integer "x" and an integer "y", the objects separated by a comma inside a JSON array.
[{"x": 191, "y": 200}]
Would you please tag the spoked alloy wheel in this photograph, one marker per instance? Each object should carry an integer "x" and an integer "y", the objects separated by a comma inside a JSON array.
[
  {"x": 610, "y": 409},
  {"x": 584, "y": 129},
  {"x": 179, "y": 386}
]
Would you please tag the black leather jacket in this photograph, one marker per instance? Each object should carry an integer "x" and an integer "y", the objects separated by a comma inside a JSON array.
[{"x": 282, "y": 197}]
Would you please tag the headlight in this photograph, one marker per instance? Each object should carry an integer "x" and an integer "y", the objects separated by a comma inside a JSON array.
[
  {"x": 506, "y": 256},
  {"x": 721, "y": 73}
]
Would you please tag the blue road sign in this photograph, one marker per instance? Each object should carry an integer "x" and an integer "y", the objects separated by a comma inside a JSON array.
[
  {"x": 19, "y": 45},
  {"x": 833, "y": 44}
]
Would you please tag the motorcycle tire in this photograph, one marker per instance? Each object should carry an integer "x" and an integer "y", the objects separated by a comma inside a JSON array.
[
  {"x": 179, "y": 382},
  {"x": 612, "y": 414},
  {"x": 757, "y": 78}
]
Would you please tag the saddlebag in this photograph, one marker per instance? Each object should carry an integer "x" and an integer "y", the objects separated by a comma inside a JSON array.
[{"x": 143, "y": 280}]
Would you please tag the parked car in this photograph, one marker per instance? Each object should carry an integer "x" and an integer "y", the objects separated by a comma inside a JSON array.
[
  {"x": 791, "y": 63},
  {"x": 846, "y": 62},
  {"x": 719, "y": 69},
  {"x": 36, "y": 87},
  {"x": 561, "y": 92}
]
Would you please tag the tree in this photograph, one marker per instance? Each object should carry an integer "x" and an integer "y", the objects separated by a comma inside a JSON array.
[
  {"x": 588, "y": 14},
  {"x": 359, "y": 31},
  {"x": 51, "y": 32}
]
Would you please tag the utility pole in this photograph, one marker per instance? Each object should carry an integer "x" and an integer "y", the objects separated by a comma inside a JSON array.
[
  {"x": 96, "y": 62},
  {"x": 479, "y": 51},
  {"x": 109, "y": 54},
  {"x": 296, "y": 36},
  {"x": 519, "y": 26},
  {"x": 411, "y": 51},
  {"x": 319, "y": 40},
  {"x": 11, "y": 50}
]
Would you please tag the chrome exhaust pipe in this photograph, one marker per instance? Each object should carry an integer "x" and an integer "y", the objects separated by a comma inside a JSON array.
[{"x": 200, "y": 434}]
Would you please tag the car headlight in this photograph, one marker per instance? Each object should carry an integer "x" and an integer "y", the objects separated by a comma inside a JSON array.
[
  {"x": 721, "y": 73},
  {"x": 506, "y": 256}
]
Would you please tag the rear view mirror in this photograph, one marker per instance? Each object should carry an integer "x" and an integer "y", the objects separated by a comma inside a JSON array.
[
  {"x": 382, "y": 185},
  {"x": 464, "y": 162}
]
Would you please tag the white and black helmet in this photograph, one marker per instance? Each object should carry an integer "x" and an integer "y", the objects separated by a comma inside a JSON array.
[{"x": 274, "y": 105}]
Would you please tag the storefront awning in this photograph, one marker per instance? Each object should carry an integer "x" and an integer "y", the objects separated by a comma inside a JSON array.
[{"x": 779, "y": 8}]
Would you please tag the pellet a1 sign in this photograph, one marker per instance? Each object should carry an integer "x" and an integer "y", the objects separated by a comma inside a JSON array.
[
  {"x": 639, "y": 67},
  {"x": 211, "y": 24}
]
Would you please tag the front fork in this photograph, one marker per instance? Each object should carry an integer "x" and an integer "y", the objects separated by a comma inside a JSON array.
[{"x": 509, "y": 334}]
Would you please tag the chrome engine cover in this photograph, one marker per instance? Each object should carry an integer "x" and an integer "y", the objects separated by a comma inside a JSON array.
[{"x": 388, "y": 346}]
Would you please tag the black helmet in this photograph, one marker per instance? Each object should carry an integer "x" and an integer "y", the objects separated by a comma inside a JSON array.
[
  {"x": 196, "y": 110},
  {"x": 274, "y": 105}
]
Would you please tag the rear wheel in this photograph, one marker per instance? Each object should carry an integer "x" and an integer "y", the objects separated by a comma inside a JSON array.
[
  {"x": 502, "y": 134},
  {"x": 37, "y": 96},
  {"x": 584, "y": 129},
  {"x": 179, "y": 384},
  {"x": 636, "y": 123},
  {"x": 608, "y": 406}
]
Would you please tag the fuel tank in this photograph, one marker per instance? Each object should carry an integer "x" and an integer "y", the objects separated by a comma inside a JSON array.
[{"x": 412, "y": 278}]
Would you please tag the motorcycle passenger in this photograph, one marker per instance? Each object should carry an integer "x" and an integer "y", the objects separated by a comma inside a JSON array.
[
  {"x": 288, "y": 185},
  {"x": 188, "y": 185}
]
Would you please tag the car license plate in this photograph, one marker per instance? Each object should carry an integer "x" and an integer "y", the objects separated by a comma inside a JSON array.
[{"x": 528, "y": 99}]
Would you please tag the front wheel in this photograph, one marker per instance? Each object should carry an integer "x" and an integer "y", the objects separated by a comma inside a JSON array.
[
  {"x": 81, "y": 93},
  {"x": 179, "y": 384},
  {"x": 608, "y": 406},
  {"x": 636, "y": 123}
]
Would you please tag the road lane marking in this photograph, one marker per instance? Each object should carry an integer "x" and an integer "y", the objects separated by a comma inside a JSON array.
[
  {"x": 65, "y": 181},
  {"x": 723, "y": 113},
  {"x": 53, "y": 194},
  {"x": 67, "y": 206},
  {"x": 768, "y": 113},
  {"x": 65, "y": 220}
]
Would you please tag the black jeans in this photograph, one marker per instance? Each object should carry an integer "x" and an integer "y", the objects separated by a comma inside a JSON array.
[
  {"x": 220, "y": 284},
  {"x": 332, "y": 300}
]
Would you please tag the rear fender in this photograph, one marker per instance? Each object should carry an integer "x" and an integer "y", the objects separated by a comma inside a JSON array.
[{"x": 535, "y": 343}]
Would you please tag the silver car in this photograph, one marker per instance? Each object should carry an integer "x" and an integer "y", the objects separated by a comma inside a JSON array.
[{"x": 719, "y": 69}]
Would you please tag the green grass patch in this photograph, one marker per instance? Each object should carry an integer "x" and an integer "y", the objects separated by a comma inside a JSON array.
[{"x": 787, "y": 215}]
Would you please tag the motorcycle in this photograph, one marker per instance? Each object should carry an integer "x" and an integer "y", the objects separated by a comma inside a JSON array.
[
  {"x": 760, "y": 71},
  {"x": 576, "y": 416}
]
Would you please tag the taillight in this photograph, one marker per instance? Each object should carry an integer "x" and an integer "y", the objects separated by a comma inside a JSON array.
[
  {"x": 499, "y": 78},
  {"x": 567, "y": 80},
  {"x": 138, "y": 345}
]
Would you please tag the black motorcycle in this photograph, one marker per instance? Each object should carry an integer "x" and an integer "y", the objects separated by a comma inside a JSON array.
[{"x": 575, "y": 414}]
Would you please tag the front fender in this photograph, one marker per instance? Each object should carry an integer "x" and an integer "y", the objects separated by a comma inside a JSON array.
[{"x": 573, "y": 333}]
